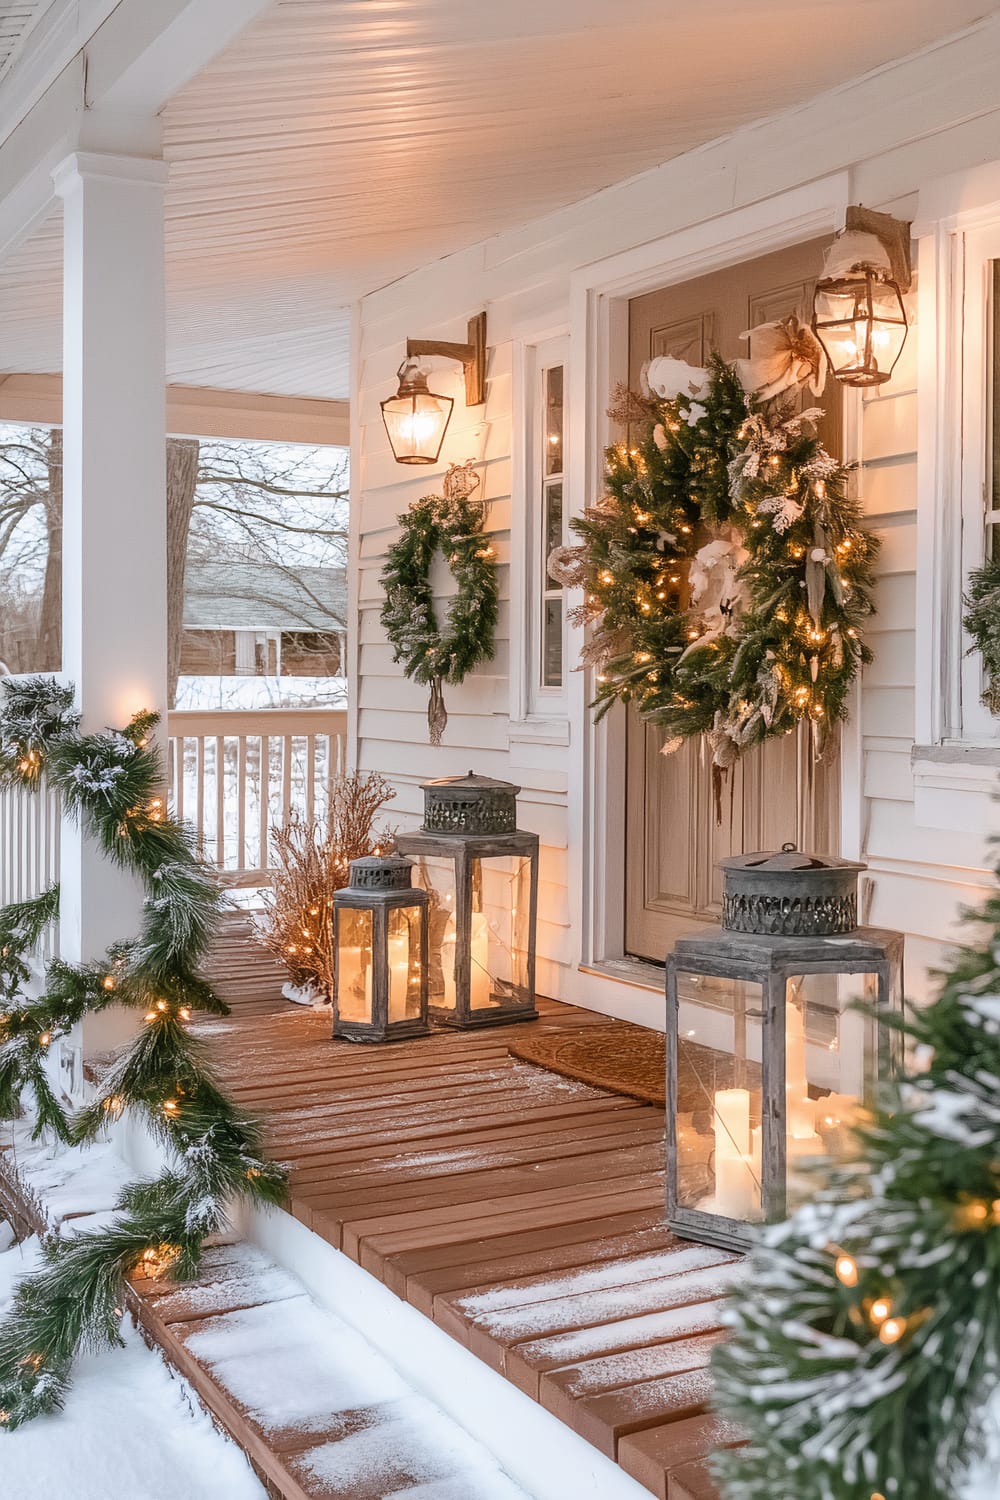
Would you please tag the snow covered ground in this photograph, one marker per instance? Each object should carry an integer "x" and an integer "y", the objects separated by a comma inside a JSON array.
[{"x": 128, "y": 1429}]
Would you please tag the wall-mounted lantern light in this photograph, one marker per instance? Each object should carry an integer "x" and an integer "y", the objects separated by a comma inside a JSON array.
[
  {"x": 858, "y": 311},
  {"x": 415, "y": 418}
]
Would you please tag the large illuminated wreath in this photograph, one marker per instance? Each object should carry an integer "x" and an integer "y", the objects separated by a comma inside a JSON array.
[
  {"x": 726, "y": 572},
  {"x": 429, "y": 653}
]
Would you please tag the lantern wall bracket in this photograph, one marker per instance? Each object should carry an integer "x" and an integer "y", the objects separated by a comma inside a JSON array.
[
  {"x": 893, "y": 233},
  {"x": 472, "y": 355}
]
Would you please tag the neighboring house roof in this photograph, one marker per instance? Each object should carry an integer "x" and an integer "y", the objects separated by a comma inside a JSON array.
[{"x": 252, "y": 596}]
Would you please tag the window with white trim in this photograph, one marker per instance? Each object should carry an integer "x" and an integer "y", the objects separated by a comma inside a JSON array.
[
  {"x": 979, "y": 270},
  {"x": 981, "y": 492},
  {"x": 540, "y": 666},
  {"x": 957, "y": 739},
  {"x": 552, "y": 525}
]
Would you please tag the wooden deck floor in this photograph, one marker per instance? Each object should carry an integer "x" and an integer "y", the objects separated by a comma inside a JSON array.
[{"x": 521, "y": 1211}]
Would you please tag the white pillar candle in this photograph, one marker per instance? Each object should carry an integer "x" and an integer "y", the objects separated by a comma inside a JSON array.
[
  {"x": 734, "y": 1181},
  {"x": 732, "y": 1122},
  {"x": 399, "y": 974},
  {"x": 735, "y": 1189},
  {"x": 480, "y": 996},
  {"x": 354, "y": 984},
  {"x": 448, "y": 964}
]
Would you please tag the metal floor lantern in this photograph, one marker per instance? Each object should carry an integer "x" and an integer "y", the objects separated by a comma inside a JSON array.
[
  {"x": 769, "y": 1060},
  {"x": 481, "y": 874},
  {"x": 380, "y": 953}
]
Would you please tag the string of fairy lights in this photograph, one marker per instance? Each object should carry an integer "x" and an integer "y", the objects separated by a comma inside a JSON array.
[{"x": 726, "y": 573}]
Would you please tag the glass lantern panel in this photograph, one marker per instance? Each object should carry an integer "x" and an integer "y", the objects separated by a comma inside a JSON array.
[
  {"x": 436, "y": 875},
  {"x": 501, "y": 892},
  {"x": 404, "y": 963},
  {"x": 830, "y": 1067},
  {"x": 354, "y": 964},
  {"x": 719, "y": 1095},
  {"x": 416, "y": 426}
]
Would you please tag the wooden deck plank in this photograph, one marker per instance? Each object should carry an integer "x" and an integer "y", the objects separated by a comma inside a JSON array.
[
  {"x": 652, "y": 1455},
  {"x": 520, "y": 1210}
]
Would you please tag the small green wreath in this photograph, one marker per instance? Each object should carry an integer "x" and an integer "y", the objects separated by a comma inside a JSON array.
[{"x": 429, "y": 653}]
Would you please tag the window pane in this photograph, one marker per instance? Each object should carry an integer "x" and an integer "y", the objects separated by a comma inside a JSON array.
[
  {"x": 995, "y": 387},
  {"x": 552, "y": 643},
  {"x": 554, "y": 420},
  {"x": 553, "y": 531}
]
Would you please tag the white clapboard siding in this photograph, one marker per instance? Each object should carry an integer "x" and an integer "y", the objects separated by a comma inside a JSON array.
[{"x": 922, "y": 877}]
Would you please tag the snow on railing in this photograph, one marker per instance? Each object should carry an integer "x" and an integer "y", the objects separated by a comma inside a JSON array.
[
  {"x": 237, "y": 773},
  {"x": 29, "y": 848}
]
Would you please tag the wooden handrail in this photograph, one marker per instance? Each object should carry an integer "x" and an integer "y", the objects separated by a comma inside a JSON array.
[{"x": 194, "y": 722}]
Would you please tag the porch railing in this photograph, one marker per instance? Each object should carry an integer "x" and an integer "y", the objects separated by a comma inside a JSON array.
[
  {"x": 236, "y": 774},
  {"x": 29, "y": 848}
]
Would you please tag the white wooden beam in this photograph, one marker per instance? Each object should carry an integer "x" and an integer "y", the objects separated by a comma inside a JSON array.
[
  {"x": 197, "y": 411},
  {"x": 114, "y": 502}
]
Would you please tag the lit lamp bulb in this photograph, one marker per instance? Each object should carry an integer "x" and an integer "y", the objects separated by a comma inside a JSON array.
[
  {"x": 880, "y": 1310},
  {"x": 108, "y": 982},
  {"x": 415, "y": 418},
  {"x": 846, "y": 1270},
  {"x": 892, "y": 1330}
]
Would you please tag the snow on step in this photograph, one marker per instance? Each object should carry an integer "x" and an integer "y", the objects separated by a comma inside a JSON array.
[
  {"x": 627, "y": 1333},
  {"x": 465, "y": 1486},
  {"x": 631, "y": 1366},
  {"x": 243, "y": 1277},
  {"x": 415, "y": 1451},
  {"x": 291, "y": 1365},
  {"x": 607, "y": 1305},
  {"x": 295, "y": 1368},
  {"x": 594, "y": 1278},
  {"x": 66, "y": 1180}
]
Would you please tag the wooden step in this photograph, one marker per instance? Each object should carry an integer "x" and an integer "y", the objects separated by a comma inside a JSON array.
[{"x": 521, "y": 1210}]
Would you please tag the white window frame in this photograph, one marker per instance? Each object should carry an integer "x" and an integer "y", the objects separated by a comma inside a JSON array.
[
  {"x": 537, "y": 711},
  {"x": 957, "y": 748}
]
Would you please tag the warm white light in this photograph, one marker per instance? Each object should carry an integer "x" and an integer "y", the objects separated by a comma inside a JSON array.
[
  {"x": 415, "y": 418},
  {"x": 847, "y": 1270}
]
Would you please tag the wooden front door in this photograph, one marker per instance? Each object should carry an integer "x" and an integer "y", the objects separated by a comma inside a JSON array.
[{"x": 776, "y": 793}]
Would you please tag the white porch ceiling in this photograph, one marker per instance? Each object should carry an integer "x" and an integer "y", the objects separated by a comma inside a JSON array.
[
  {"x": 18, "y": 19},
  {"x": 338, "y": 144}
]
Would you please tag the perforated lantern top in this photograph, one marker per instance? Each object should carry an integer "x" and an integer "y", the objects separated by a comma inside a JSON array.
[
  {"x": 470, "y": 804},
  {"x": 790, "y": 894},
  {"x": 381, "y": 872}
]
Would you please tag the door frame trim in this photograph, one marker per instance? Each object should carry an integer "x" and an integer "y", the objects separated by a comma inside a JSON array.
[{"x": 599, "y": 298}]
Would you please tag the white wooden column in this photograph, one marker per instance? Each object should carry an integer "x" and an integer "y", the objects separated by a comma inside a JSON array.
[{"x": 114, "y": 498}]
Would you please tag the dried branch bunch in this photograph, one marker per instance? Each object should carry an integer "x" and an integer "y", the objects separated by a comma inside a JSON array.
[{"x": 313, "y": 860}]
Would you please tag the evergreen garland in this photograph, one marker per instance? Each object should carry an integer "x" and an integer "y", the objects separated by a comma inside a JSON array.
[
  {"x": 113, "y": 783},
  {"x": 429, "y": 653},
  {"x": 982, "y": 621},
  {"x": 726, "y": 572},
  {"x": 866, "y": 1334}
]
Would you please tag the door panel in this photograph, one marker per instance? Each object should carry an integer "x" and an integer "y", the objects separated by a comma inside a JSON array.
[{"x": 775, "y": 794}]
